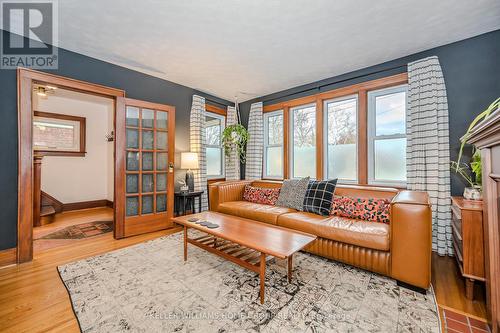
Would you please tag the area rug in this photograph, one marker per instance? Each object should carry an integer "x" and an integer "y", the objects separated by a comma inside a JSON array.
[
  {"x": 83, "y": 230},
  {"x": 149, "y": 288}
]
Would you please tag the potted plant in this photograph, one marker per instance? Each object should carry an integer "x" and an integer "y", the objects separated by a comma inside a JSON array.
[
  {"x": 471, "y": 171},
  {"x": 235, "y": 137}
]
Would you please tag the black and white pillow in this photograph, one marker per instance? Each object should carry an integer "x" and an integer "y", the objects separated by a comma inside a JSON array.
[
  {"x": 292, "y": 193},
  {"x": 319, "y": 196}
]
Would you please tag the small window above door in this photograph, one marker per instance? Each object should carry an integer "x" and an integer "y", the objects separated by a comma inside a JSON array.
[{"x": 58, "y": 134}]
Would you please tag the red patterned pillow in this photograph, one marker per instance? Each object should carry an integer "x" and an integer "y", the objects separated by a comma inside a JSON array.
[
  {"x": 376, "y": 210},
  {"x": 266, "y": 196}
]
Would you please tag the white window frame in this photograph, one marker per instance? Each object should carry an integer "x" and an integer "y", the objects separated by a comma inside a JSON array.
[
  {"x": 291, "y": 112},
  {"x": 268, "y": 115},
  {"x": 372, "y": 95},
  {"x": 223, "y": 161},
  {"x": 325, "y": 137}
]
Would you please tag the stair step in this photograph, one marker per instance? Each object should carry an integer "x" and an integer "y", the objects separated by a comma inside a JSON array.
[{"x": 47, "y": 210}]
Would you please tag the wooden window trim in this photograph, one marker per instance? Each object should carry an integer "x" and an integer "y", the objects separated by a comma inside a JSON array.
[
  {"x": 81, "y": 120},
  {"x": 359, "y": 89},
  {"x": 215, "y": 109},
  {"x": 267, "y": 145},
  {"x": 223, "y": 165}
]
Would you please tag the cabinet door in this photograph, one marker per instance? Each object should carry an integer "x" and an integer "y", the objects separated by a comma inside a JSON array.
[{"x": 144, "y": 172}]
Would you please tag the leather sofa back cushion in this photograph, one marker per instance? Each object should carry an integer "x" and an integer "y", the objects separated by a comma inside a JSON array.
[
  {"x": 266, "y": 196},
  {"x": 367, "y": 209}
]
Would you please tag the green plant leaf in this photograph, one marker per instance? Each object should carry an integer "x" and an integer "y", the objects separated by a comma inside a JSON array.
[
  {"x": 493, "y": 106},
  {"x": 235, "y": 137}
]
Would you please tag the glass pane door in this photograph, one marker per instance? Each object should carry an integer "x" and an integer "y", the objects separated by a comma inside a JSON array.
[
  {"x": 147, "y": 161},
  {"x": 145, "y": 167}
]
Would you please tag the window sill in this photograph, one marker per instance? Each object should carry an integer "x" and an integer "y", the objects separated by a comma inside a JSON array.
[
  {"x": 399, "y": 186},
  {"x": 214, "y": 180}
]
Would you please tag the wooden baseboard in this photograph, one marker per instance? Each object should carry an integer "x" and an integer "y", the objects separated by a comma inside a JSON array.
[
  {"x": 8, "y": 257},
  {"x": 87, "y": 204},
  {"x": 110, "y": 204}
]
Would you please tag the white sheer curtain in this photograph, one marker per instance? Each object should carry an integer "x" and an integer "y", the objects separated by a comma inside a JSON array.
[
  {"x": 255, "y": 145},
  {"x": 197, "y": 145},
  {"x": 428, "y": 152},
  {"x": 232, "y": 162}
]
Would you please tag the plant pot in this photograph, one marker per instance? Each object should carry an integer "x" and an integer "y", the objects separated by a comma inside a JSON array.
[{"x": 473, "y": 193}]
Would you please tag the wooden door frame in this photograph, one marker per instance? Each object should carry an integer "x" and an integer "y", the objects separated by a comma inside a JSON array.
[{"x": 26, "y": 78}]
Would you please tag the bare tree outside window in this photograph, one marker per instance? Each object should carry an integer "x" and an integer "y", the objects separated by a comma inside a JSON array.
[
  {"x": 342, "y": 122},
  {"x": 304, "y": 141},
  {"x": 341, "y": 151},
  {"x": 275, "y": 125},
  {"x": 212, "y": 134},
  {"x": 304, "y": 127},
  {"x": 214, "y": 126}
]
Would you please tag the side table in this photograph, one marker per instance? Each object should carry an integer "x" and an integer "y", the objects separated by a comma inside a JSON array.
[{"x": 181, "y": 199}]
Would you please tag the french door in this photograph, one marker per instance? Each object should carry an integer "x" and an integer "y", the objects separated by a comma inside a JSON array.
[{"x": 144, "y": 167}]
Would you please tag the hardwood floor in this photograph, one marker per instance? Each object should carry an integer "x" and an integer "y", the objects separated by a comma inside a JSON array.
[
  {"x": 449, "y": 287},
  {"x": 65, "y": 219},
  {"x": 33, "y": 298}
]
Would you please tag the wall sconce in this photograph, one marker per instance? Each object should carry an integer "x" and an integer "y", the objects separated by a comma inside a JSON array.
[{"x": 110, "y": 137}]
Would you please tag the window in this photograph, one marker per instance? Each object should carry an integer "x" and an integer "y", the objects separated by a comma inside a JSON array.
[
  {"x": 214, "y": 126},
  {"x": 303, "y": 147},
  {"x": 387, "y": 136},
  {"x": 58, "y": 134},
  {"x": 355, "y": 133},
  {"x": 340, "y": 146},
  {"x": 273, "y": 145}
]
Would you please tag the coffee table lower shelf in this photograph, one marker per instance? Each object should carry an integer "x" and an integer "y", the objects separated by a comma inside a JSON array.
[{"x": 246, "y": 257}]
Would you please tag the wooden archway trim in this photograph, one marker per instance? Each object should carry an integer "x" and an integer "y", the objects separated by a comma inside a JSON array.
[{"x": 25, "y": 80}]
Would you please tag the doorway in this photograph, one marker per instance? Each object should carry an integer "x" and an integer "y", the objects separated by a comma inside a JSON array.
[
  {"x": 73, "y": 134},
  {"x": 133, "y": 212}
]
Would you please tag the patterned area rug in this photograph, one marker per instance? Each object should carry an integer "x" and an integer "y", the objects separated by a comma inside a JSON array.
[
  {"x": 83, "y": 230},
  {"x": 148, "y": 288}
]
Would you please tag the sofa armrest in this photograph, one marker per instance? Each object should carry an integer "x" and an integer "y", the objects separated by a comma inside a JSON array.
[
  {"x": 411, "y": 238},
  {"x": 226, "y": 191}
]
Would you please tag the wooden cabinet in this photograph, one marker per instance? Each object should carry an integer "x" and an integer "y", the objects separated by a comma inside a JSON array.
[
  {"x": 467, "y": 226},
  {"x": 486, "y": 138}
]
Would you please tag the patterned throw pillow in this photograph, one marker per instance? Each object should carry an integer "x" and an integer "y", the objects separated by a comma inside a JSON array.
[
  {"x": 266, "y": 196},
  {"x": 292, "y": 193},
  {"x": 375, "y": 210},
  {"x": 319, "y": 196}
]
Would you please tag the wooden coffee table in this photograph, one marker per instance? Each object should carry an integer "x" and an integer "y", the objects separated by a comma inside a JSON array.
[{"x": 245, "y": 242}]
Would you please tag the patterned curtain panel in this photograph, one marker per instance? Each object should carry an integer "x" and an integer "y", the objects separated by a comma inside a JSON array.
[
  {"x": 197, "y": 144},
  {"x": 255, "y": 145},
  {"x": 232, "y": 161},
  {"x": 428, "y": 153}
]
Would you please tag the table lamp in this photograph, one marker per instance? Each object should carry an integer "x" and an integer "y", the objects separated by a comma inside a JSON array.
[{"x": 189, "y": 161}]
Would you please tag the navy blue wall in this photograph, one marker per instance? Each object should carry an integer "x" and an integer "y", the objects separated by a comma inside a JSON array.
[
  {"x": 77, "y": 66},
  {"x": 471, "y": 69}
]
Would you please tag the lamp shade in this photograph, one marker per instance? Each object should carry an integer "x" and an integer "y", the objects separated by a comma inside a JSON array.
[{"x": 189, "y": 160}]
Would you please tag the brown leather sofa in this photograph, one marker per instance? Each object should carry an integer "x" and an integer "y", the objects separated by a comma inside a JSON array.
[{"x": 401, "y": 249}]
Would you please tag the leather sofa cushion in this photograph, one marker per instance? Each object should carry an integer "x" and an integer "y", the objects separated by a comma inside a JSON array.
[
  {"x": 254, "y": 211},
  {"x": 341, "y": 229}
]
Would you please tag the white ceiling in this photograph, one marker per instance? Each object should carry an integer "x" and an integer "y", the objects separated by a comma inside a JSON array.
[{"x": 255, "y": 47}]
